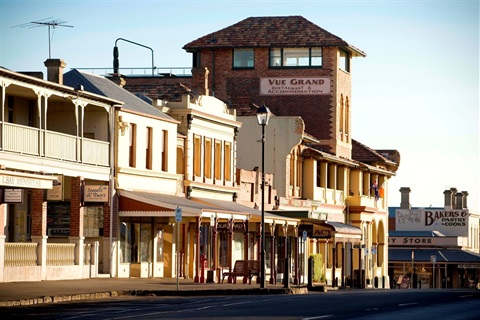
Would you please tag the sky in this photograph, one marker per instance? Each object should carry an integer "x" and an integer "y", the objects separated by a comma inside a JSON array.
[{"x": 416, "y": 91}]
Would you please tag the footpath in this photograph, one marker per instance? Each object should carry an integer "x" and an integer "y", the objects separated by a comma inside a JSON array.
[{"x": 36, "y": 292}]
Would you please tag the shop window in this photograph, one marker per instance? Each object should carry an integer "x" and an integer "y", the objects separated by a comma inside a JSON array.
[
  {"x": 243, "y": 58},
  {"x": 135, "y": 241},
  {"x": 93, "y": 221}
]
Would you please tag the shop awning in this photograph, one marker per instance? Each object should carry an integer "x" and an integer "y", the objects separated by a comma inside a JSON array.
[
  {"x": 158, "y": 204},
  {"x": 330, "y": 230},
  {"x": 425, "y": 255},
  {"x": 255, "y": 215}
]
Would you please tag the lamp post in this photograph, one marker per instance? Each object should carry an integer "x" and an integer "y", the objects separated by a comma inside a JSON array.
[{"x": 263, "y": 116}]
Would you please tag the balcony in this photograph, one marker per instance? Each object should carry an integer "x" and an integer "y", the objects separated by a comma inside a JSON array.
[{"x": 54, "y": 145}]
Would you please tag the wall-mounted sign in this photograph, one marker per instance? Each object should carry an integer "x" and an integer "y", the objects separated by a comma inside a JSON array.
[
  {"x": 11, "y": 180},
  {"x": 294, "y": 86},
  {"x": 95, "y": 193},
  {"x": 56, "y": 193},
  {"x": 448, "y": 222},
  {"x": 13, "y": 195}
]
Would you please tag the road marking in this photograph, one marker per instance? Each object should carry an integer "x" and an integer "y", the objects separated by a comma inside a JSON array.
[
  {"x": 407, "y": 304},
  {"x": 466, "y": 296},
  {"x": 319, "y": 317}
]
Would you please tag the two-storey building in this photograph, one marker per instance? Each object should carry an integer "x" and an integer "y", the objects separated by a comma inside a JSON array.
[{"x": 55, "y": 177}]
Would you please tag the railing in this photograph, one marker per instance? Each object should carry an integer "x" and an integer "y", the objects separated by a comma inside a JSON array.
[
  {"x": 143, "y": 71},
  {"x": 60, "y": 146},
  {"x": 27, "y": 140},
  {"x": 28, "y": 143},
  {"x": 20, "y": 254},
  {"x": 60, "y": 254},
  {"x": 95, "y": 152},
  {"x": 87, "y": 253}
]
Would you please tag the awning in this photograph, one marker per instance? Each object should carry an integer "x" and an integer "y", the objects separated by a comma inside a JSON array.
[
  {"x": 425, "y": 255},
  {"x": 255, "y": 215},
  {"x": 330, "y": 230},
  {"x": 162, "y": 205}
]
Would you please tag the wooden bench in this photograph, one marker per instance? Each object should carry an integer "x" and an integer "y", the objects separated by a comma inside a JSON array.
[{"x": 243, "y": 268}]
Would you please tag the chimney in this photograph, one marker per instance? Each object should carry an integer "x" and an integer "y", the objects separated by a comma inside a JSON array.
[
  {"x": 405, "y": 198},
  {"x": 464, "y": 198},
  {"x": 454, "y": 192},
  {"x": 200, "y": 81},
  {"x": 458, "y": 200},
  {"x": 448, "y": 199},
  {"x": 55, "y": 70},
  {"x": 118, "y": 79}
]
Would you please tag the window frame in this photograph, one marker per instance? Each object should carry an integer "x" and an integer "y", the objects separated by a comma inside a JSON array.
[
  {"x": 280, "y": 54},
  {"x": 244, "y": 51}
]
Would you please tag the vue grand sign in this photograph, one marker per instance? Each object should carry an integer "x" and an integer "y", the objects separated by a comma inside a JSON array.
[{"x": 294, "y": 86}]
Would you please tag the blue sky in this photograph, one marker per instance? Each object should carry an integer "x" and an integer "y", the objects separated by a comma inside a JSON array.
[{"x": 417, "y": 91}]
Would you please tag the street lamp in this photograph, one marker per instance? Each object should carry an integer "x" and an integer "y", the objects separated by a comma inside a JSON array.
[{"x": 263, "y": 116}]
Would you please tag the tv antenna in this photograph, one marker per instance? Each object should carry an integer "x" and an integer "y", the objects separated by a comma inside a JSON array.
[{"x": 50, "y": 23}]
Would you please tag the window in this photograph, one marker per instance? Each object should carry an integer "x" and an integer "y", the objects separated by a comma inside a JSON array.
[
  {"x": 218, "y": 160},
  {"x": 132, "y": 160},
  {"x": 296, "y": 57},
  {"x": 344, "y": 63},
  {"x": 164, "y": 150},
  {"x": 208, "y": 158},
  {"x": 148, "y": 155},
  {"x": 228, "y": 162},
  {"x": 243, "y": 58},
  {"x": 197, "y": 152}
]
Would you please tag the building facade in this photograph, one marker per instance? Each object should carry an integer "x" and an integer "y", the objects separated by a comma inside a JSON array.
[
  {"x": 434, "y": 247},
  {"x": 55, "y": 158}
]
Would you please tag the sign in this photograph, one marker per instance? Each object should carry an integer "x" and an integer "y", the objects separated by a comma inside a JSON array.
[
  {"x": 448, "y": 222},
  {"x": 304, "y": 235},
  {"x": 25, "y": 182},
  {"x": 95, "y": 193},
  {"x": 13, "y": 196},
  {"x": 424, "y": 241},
  {"x": 433, "y": 258},
  {"x": 178, "y": 214},
  {"x": 294, "y": 86},
  {"x": 56, "y": 193}
]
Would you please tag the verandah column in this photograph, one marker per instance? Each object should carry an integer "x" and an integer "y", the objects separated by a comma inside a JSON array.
[
  {"x": 3, "y": 209},
  {"x": 197, "y": 249},
  {"x": 273, "y": 265}
]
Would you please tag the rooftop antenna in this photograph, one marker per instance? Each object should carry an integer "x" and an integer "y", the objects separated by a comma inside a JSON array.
[{"x": 51, "y": 23}]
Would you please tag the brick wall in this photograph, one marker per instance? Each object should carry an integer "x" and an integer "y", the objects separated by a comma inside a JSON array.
[
  {"x": 76, "y": 209},
  {"x": 39, "y": 213}
]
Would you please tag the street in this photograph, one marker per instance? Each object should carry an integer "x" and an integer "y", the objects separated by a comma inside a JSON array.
[{"x": 342, "y": 304}]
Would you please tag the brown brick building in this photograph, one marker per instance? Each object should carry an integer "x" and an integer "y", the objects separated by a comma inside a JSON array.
[{"x": 288, "y": 63}]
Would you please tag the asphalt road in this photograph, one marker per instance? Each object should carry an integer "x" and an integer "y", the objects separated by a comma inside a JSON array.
[{"x": 344, "y": 304}]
